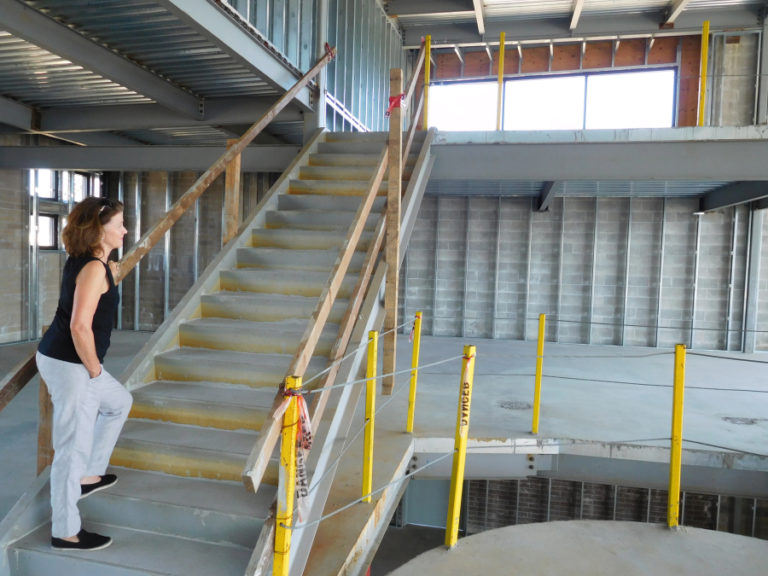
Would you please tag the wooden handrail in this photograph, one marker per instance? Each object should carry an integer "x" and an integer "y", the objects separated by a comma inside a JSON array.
[
  {"x": 270, "y": 430},
  {"x": 23, "y": 372},
  {"x": 152, "y": 236},
  {"x": 408, "y": 99}
]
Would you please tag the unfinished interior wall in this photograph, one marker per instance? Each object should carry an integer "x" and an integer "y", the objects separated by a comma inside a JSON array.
[
  {"x": 616, "y": 271},
  {"x": 734, "y": 73},
  {"x": 14, "y": 254}
]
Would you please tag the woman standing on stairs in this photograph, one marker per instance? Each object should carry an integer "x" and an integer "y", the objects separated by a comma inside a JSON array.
[{"x": 89, "y": 405}]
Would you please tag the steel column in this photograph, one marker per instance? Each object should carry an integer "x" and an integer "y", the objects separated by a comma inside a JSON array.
[
  {"x": 466, "y": 271},
  {"x": 594, "y": 271},
  {"x": 626, "y": 273},
  {"x": 528, "y": 270},
  {"x": 436, "y": 268},
  {"x": 121, "y": 198},
  {"x": 167, "y": 253},
  {"x": 695, "y": 280},
  {"x": 731, "y": 276},
  {"x": 137, "y": 268},
  {"x": 496, "y": 269},
  {"x": 659, "y": 291}
]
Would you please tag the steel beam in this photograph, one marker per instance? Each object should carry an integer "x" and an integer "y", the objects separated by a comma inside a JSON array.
[
  {"x": 486, "y": 156},
  {"x": 675, "y": 9},
  {"x": 15, "y": 114},
  {"x": 578, "y": 5},
  {"x": 397, "y": 8},
  {"x": 450, "y": 32},
  {"x": 214, "y": 23},
  {"x": 480, "y": 17},
  {"x": 218, "y": 111},
  {"x": 145, "y": 158},
  {"x": 22, "y": 21},
  {"x": 549, "y": 191},
  {"x": 733, "y": 194}
]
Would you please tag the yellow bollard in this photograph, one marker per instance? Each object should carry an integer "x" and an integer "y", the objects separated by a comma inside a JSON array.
[
  {"x": 427, "y": 66},
  {"x": 676, "y": 450},
  {"x": 287, "y": 484},
  {"x": 414, "y": 371},
  {"x": 704, "y": 66},
  {"x": 370, "y": 414},
  {"x": 500, "y": 102},
  {"x": 539, "y": 366},
  {"x": 460, "y": 447}
]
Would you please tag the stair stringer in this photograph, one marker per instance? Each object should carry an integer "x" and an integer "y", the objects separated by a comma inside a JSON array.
[
  {"x": 324, "y": 459},
  {"x": 141, "y": 370}
]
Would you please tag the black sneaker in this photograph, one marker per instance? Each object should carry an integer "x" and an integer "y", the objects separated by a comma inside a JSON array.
[
  {"x": 106, "y": 481},
  {"x": 88, "y": 542}
]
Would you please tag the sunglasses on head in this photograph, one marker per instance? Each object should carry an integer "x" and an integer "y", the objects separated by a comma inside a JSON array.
[{"x": 106, "y": 203}]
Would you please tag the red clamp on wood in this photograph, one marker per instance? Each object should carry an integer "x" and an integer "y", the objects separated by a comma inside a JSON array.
[
  {"x": 395, "y": 102},
  {"x": 330, "y": 51}
]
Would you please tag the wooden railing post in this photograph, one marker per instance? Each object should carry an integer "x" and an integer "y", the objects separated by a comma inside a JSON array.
[
  {"x": 394, "y": 187},
  {"x": 44, "y": 429},
  {"x": 231, "y": 216}
]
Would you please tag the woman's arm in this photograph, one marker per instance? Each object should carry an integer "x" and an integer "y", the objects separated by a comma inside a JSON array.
[{"x": 91, "y": 283}]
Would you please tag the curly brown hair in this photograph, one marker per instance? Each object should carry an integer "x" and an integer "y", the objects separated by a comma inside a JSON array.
[{"x": 84, "y": 229}]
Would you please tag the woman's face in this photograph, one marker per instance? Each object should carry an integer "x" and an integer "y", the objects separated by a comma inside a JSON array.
[{"x": 114, "y": 232}]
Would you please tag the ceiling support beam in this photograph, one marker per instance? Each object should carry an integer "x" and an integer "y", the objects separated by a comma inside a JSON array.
[
  {"x": 127, "y": 158},
  {"x": 675, "y": 9},
  {"x": 15, "y": 114},
  {"x": 733, "y": 194},
  {"x": 480, "y": 17},
  {"x": 218, "y": 26},
  {"x": 549, "y": 192},
  {"x": 218, "y": 112},
  {"x": 414, "y": 8},
  {"x": 37, "y": 28},
  {"x": 682, "y": 154},
  {"x": 577, "y": 7}
]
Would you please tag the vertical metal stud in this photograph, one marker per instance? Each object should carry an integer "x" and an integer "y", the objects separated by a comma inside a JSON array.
[
  {"x": 696, "y": 255},
  {"x": 528, "y": 269},
  {"x": 167, "y": 253},
  {"x": 754, "y": 516},
  {"x": 594, "y": 271},
  {"x": 717, "y": 513},
  {"x": 626, "y": 273},
  {"x": 196, "y": 243},
  {"x": 137, "y": 269},
  {"x": 581, "y": 503},
  {"x": 121, "y": 198},
  {"x": 648, "y": 507},
  {"x": 731, "y": 275},
  {"x": 33, "y": 291},
  {"x": 517, "y": 502},
  {"x": 560, "y": 273},
  {"x": 549, "y": 498},
  {"x": 682, "y": 509},
  {"x": 659, "y": 291},
  {"x": 466, "y": 269},
  {"x": 615, "y": 499},
  {"x": 494, "y": 332},
  {"x": 436, "y": 268}
]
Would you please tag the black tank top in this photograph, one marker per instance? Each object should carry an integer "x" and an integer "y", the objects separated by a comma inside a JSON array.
[{"x": 57, "y": 341}]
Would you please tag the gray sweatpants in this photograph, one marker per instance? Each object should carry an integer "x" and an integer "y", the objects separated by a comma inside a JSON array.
[{"x": 88, "y": 415}]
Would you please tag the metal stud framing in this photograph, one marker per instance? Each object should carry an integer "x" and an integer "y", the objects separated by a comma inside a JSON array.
[
  {"x": 137, "y": 269},
  {"x": 695, "y": 280},
  {"x": 121, "y": 198},
  {"x": 661, "y": 269},
  {"x": 167, "y": 251}
]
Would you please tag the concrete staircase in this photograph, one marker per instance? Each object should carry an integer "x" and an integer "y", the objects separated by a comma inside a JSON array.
[{"x": 206, "y": 380}]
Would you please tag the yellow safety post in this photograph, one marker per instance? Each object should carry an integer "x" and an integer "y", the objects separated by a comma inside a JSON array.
[
  {"x": 704, "y": 66},
  {"x": 414, "y": 371},
  {"x": 676, "y": 452},
  {"x": 539, "y": 366},
  {"x": 427, "y": 66},
  {"x": 460, "y": 446},
  {"x": 370, "y": 414},
  {"x": 287, "y": 483},
  {"x": 500, "y": 102}
]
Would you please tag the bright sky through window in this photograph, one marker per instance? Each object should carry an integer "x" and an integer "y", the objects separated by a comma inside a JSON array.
[{"x": 613, "y": 101}]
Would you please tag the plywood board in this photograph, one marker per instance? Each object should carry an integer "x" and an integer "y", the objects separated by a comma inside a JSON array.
[
  {"x": 687, "y": 111},
  {"x": 566, "y": 57},
  {"x": 630, "y": 52},
  {"x": 535, "y": 59},
  {"x": 598, "y": 55},
  {"x": 663, "y": 51}
]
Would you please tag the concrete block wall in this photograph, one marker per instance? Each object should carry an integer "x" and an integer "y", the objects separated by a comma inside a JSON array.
[
  {"x": 14, "y": 254},
  {"x": 493, "y": 504},
  {"x": 735, "y": 59},
  {"x": 614, "y": 271}
]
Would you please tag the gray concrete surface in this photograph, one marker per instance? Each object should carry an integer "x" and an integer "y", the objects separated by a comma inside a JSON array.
[{"x": 595, "y": 548}]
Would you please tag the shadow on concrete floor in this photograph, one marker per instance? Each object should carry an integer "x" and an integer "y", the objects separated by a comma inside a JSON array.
[{"x": 400, "y": 545}]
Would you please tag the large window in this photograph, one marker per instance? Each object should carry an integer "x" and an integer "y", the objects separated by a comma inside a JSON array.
[{"x": 611, "y": 100}]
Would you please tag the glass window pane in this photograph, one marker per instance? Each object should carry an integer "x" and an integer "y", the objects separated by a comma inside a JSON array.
[
  {"x": 43, "y": 183},
  {"x": 46, "y": 231},
  {"x": 463, "y": 107},
  {"x": 544, "y": 104},
  {"x": 80, "y": 186},
  {"x": 65, "y": 186},
  {"x": 631, "y": 100}
]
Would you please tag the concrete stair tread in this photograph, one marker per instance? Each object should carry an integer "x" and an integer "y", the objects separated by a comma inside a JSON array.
[
  {"x": 342, "y": 188},
  {"x": 302, "y": 282},
  {"x": 299, "y": 259},
  {"x": 305, "y": 239},
  {"x": 370, "y": 160},
  {"x": 380, "y": 137},
  {"x": 201, "y": 364},
  {"x": 325, "y": 202},
  {"x": 203, "y": 494},
  {"x": 317, "y": 219},
  {"x": 235, "y": 442},
  {"x": 228, "y": 407},
  {"x": 133, "y": 552},
  {"x": 336, "y": 172},
  {"x": 282, "y": 337},
  {"x": 266, "y": 307}
]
